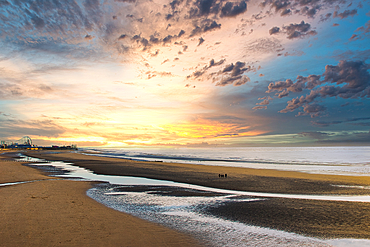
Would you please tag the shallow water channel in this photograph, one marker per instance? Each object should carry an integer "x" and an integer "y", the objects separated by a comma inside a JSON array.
[{"x": 183, "y": 207}]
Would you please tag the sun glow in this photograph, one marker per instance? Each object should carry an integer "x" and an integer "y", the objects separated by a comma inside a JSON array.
[{"x": 209, "y": 129}]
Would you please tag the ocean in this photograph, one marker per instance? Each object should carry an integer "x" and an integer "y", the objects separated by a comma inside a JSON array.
[{"x": 320, "y": 160}]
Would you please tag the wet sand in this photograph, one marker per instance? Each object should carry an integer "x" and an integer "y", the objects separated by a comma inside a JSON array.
[
  {"x": 327, "y": 219},
  {"x": 307, "y": 217},
  {"x": 57, "y": 212},
  {"x": 245, "y": 179}
]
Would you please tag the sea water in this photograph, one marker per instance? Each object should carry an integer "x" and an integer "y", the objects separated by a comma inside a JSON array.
[{"x": 319, "y": 160}]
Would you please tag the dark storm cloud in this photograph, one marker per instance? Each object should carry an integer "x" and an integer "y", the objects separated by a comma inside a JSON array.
[
  {"x": 348, "y": 79},
  {"x": 345, "y": 14},
  {"x": 233, "y": 9}
]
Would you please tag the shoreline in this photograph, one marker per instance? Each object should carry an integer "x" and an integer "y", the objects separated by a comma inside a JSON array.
[
  {"x": 242, "y": 179},
  {"x": 52, "y": 211},
  {"x": 322, "y": 219}
]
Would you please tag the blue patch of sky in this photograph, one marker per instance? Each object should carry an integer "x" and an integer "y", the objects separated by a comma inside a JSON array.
[{"x": 318, "y": 51}]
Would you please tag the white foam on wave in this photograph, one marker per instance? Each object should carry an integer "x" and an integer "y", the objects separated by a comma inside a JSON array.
[{"x": 185, "y": 214}]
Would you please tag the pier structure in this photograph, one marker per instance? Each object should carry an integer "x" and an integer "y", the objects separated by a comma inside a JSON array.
[{"x": 26, "y": 143}]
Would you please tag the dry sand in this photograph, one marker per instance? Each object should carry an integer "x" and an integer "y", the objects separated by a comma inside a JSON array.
[{"x": 56, "y": 212}]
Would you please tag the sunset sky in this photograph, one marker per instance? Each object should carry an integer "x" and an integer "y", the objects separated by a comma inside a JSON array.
[{"x": 185, "y": 72}]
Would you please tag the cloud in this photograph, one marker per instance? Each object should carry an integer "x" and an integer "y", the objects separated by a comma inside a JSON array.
[
  {"x": 232, "y": 74},
  {"x": 298, "y": 30},
  {"x": 286, "y": 12},
  {"x": 312, "y": 109},
  {"x": 207, "y": 25},
  {"x": 38, "y": 22},
  {"x": 310, "y": 12},
  {"x": 348, "y": 79},
  {"x": 284, "y": 87},
  {"x": 337, "y": 137},
  {"x": 232, "y": 9},
  {"x": 88, "y": 37},
  {"x": 203, "y": 8},
  {"x": 345, "y": 14},
  {"x": 200, "y": 72},
  {"x": 274, "y": 30},
  {"x": 349, "y": 120},
  {"x": 259, "y": 107},
  {"x": 325, "y": 17},
  {"x": 13, "y": 128},
  {"x": 236, "y": 80},
  {"x": 201, "y": 40},
  {"x": 314, "y": 135},
  {"x": 123, "y": 36},
  {"x": 362, "y": 31}
]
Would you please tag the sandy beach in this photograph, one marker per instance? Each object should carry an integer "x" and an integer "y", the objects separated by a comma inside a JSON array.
[
  {"x": 245, "y": 179},
  {"x": 311, "y": 218},
  {"x": 57, "y": 212}
]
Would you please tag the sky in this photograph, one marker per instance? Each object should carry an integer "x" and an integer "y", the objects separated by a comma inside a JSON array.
[{"x": 197, "y": 73}]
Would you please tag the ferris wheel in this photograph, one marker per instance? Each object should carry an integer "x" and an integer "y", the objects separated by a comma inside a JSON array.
[{"x": 25, "y": 140}]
